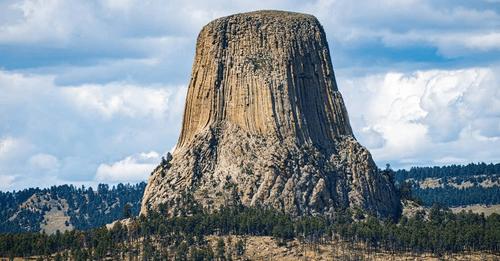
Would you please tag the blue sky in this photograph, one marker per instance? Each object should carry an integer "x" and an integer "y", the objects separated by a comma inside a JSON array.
[{"x": 93, "y": 91}]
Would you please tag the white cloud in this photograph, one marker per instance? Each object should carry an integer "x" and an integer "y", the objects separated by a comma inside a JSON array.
[
  {"x": 133, "y": 168},
  {"x": 25, "y": 91},
  {"x": 454, "y": 29},
  {"x": 427, "y": 117},
  {"x": 44, "y": 161},
  {"x": 93, "y": 23},
  {"x": 10, "y": 146},
  {"x": 119, "y": 5},
  {"x": 13, "y": 150},
  {"x": 119, "y": 99},
  {"x": 42, "y": 21},
  {"x": 448, "y": 44},
  {"x": 6, "y": 181},
  {"x": 20, "y": 88}
]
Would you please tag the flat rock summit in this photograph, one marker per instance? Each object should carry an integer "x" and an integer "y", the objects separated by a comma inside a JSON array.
[{"x": 265, "y": 125}]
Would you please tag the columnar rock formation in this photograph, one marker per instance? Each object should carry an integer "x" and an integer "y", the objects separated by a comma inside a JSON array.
[{"x": 264, "y": 124}]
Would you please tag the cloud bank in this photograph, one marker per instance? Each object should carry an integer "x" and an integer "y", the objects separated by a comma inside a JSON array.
[
  {"x": 133, "y": 168},
  {"x": 427, "y": 117},
  {"x": 55, "y": 134}
]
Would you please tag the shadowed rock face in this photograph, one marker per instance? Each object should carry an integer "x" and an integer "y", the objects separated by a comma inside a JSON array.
[{"x": 265, "y": 124}]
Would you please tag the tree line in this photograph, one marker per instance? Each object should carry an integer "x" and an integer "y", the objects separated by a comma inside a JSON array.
[
  {"x": 159, "y": 237},
  {"x": 454, "y": 197},
  {"x": 469, "y": 170}
]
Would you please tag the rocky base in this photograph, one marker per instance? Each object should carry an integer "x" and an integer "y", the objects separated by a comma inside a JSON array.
[{"x": 234, "y": 166}]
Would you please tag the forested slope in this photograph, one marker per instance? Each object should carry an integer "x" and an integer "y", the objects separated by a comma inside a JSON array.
[
  {"x": 454, "y": 185},
  {"x": 65, "y": 207}
]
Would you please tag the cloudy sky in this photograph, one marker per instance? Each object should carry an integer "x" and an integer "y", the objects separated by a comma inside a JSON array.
[{"x": 93, "y": 91}]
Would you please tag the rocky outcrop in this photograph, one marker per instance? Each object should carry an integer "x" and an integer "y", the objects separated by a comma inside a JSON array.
[{"x": 265, "y": 124}]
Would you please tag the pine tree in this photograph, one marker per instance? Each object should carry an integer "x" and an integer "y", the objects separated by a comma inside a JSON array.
[
  {"x": 240, "y": 247},
  {"x": 127, "y": 211},
  {"x": 221, "y": 249}
]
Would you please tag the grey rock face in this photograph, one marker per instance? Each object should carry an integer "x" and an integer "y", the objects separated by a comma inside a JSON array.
[{"x": 265, "y": 124}]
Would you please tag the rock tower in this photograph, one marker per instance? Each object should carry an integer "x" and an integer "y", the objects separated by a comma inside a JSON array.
[{"x": 265, "y": 125}]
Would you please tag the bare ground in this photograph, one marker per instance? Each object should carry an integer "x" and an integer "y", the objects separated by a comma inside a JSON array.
[{"x": 266, "y": 248}]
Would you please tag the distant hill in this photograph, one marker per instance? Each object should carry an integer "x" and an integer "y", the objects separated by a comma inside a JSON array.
[
  {"x": 454, "y": 185},
  {"x": 67, "y": 207}
]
